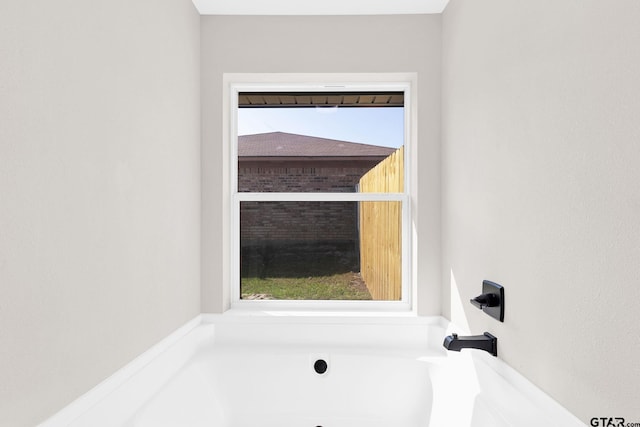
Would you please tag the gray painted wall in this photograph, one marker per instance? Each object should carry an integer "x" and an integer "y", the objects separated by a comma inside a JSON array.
[
  {"x": 321, "y": 44},
  {"x": 541, "y": 147},
  {"x": 99, "y": 191}
]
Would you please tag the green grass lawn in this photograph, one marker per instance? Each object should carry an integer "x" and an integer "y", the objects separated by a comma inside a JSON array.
[{"x": 346, "y": 286}]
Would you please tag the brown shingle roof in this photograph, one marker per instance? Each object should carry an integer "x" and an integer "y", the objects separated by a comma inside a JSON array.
[{"x": 281, "y": 144}]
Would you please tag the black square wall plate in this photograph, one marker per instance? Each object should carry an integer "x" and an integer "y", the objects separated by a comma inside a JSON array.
[{"x": 497, "y": 312}]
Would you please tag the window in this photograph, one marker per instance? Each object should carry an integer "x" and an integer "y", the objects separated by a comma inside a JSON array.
[{"x": 319, "y": 218}]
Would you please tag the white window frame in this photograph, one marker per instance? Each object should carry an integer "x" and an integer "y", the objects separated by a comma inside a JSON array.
[{"x": 235, "y": 83}]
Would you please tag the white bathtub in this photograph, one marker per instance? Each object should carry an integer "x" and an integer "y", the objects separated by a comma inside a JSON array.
[{"x": 241, "y": 371}]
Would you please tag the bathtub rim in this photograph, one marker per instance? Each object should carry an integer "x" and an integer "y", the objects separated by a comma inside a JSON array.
[{"x": 84, "y": 403}]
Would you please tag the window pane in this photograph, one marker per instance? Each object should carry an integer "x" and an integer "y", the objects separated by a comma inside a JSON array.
[
  {"x": 320, "y": 250},
  {"x": 295, "y": 159}
]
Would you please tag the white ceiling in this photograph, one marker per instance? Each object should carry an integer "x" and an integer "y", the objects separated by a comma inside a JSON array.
[{"x": 318, "y": 7}]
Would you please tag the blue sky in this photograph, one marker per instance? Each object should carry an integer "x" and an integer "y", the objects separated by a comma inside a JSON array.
[{"x": 376, "y": 126}]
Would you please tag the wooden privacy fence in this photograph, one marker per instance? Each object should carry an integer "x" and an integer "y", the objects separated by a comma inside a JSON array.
[{"x": 381, "y": 229}]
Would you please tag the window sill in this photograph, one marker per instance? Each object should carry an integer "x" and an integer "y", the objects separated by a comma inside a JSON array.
[{"x": 323, "y": 308}]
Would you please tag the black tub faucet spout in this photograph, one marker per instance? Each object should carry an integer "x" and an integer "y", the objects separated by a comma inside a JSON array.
[{"x": 486, "y": 342}]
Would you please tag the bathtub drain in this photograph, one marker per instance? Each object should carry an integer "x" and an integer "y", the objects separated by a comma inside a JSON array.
[{"x": 320, "y": 367}]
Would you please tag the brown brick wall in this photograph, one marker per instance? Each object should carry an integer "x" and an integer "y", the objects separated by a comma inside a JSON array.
[
  {"x": 299, "y": 220},
  {"x": 298, "y": 238},
  {"x": 300, "y": 179},
  {"x": 293, "y": 238}
]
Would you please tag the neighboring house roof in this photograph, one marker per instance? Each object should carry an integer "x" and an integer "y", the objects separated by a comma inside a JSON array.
[{"x": 287, "y": 145}]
